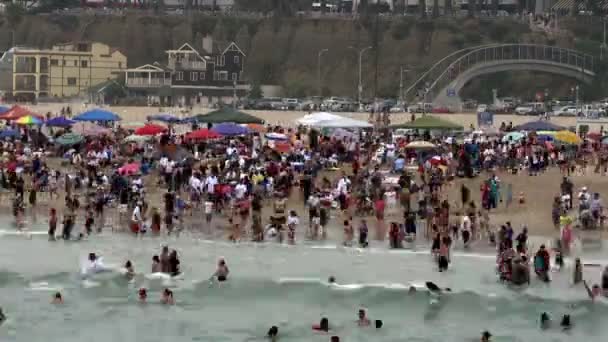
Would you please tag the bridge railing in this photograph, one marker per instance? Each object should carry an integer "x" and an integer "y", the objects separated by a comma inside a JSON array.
[
  {"x": 434, "y": 72},
  {"x": 484, "y": 54}
]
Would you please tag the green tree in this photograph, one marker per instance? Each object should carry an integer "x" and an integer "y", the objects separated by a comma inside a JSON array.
[
  {"x": 495, "y": 7},
  {"x": 422, "y": 4},
  {"x": 447, "y": 7},
  {"x": 256, "y": 91},
  {"x": 472, "y": 8},
  {"x": 574, "y": 8},
  {"x": 435, "y": 8}
]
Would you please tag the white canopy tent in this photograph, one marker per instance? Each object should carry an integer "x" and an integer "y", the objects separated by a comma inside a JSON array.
[{"x": 328, "y": 120}]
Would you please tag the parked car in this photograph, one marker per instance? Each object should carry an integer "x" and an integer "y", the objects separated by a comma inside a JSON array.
[
  {"x": 291, "y": 104},
  {"x": 533, "y": 108},
  {"x": 441, "y": 110},
  {"x": 566, "y": 111}
]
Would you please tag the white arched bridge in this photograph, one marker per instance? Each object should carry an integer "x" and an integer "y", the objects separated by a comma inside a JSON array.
[{"x": 444, "y": 80}]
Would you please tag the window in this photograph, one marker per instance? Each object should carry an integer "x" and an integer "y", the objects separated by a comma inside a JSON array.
[
  {"x": 179, "y": 76},
  {"x": 236, "y": 59},
  {"x": 84, "y": 64},
  {"x": 54, "y": 62},
  {"x": 216, "y": 75},
  {"x": 222, "y": 60},
  {"x": 119, "y": 65},
  {"x": 75, "y": 63},
  {"x": 71, "y": 81},
  {"x": 194, "y": 76},
  {"x": 234, "y": 76},
  {"x": 63, "y": 62},
  {"x": 223, "y": 75},
  {"x": 201, "y": 76}
]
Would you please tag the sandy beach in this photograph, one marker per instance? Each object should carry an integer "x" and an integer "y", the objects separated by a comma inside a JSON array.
[{"x": 538, "y": 190}]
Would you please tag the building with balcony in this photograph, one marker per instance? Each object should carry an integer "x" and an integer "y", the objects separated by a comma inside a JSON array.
[
  {"x": 191, "y": 76},
  {"x": 65, "y": 70}
]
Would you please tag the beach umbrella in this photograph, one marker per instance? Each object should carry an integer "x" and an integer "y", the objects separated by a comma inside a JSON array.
[
  {"x": 168, "y": 118},
  {"x": 275, "y": 136},
  {"x": 97, "y": 115},
  {"x": 15, "y": 112},
  {"x": 136, "y": 138},
  {"x": 513, "y": 137},
  {"x": 341, "y": 133},
  {"x": 437, "y": 160},
  {"x": 129, "y": 169},
  {"x": 420, "y": 145},
  {"x": 282, "y": 147},
  {"x": 60, "y": 121},
  {"x": 69, "y": 139},
  {"x": 9, "y": 133},
  {"x": 595, "y": 136},
  {"x": 90, "y": 129},
  {"x": 150, "y": 129},
  {"x": 28, "y": 120},
  {"x": 230, "y": 129},
  {"x": 203, "y": 134},
  {"x": 568, "y": 137},
  {"x": 544, "y": 138},
  {"x": 256, "y": 127}
]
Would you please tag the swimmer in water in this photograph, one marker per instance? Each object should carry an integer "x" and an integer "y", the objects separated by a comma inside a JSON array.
[
  {"x": 167, "y": 297},
  {"x": 433, "y": 288},
  {"x": 545, "y": 321},
  {"x": 57, "y": 299},
  {"x": 221, "y": 273},
  {"x": 92, "y": 257},
  {"x": 485, "y": 336},
  {"x": 362, "y": 320},
  {"x": 130, "y": 270},
  {"x": 594, "y": 291},
  {"x": 156, "y": 266},
  {"x": 143, "y": 294},
  {"x": 322, "y": 326},
  {"x": 379, "y": 324},
  {"x": 2, "y": 316},
  {"x": 273, "y": 333},
  {"x": 566, "y": 324},
  {"x": 331, "y": 280}
]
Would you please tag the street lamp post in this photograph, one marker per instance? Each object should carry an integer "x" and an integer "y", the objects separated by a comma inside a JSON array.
[
  {"x": 321, "y": 52},
  {"x": 401, "y": 83},
  {"x": 360, "y": 85},
  {"x": 603, "y": 46}
]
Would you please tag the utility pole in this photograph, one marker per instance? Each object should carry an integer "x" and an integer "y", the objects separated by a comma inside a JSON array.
[{"x": 321, "y": 52}]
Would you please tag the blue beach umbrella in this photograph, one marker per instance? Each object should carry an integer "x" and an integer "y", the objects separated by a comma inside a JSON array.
[
  {"x": 168, "y": 118},
  {"x": 97, "y": 115},
  {"x": 60, "y": 121}
]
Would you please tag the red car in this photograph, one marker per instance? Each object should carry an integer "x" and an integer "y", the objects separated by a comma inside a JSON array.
[{"x": 441, "y": 110}]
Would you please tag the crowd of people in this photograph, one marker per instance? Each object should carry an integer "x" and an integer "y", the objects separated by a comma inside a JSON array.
[{"x": 226, "y": 186}]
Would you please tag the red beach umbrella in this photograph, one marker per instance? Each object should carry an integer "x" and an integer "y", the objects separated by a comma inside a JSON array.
[
  {"x": 203, "y": 134},
  {"x": 150, "y": 129}
]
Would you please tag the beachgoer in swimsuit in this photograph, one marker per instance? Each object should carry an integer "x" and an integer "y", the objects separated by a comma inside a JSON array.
[
  {"x": 57, "y": 298},
  {"x": 130, "y": 270},
  {"x": 322, "y": 326},
  {"x": 143, "y": 295},
  {"x": 167, "y": 297},
  {"x": 362, "y": 320},
  {"x": 156, "y": 266},
  {"x": 222, "y": 271}
]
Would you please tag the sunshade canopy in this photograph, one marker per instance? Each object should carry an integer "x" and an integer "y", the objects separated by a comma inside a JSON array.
[
  {"x": 60, "y": 121},
  {"x": 539, "y": 125},
  {"x": 227, "y": 115},
  {"x": 430, "y": 122},
  {"x": 97, "y": 115}
]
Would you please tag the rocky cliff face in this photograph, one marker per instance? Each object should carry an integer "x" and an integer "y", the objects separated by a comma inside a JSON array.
[{"x": 282, "y": 51}]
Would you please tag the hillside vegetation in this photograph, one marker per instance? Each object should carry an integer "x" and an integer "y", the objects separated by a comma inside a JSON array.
[{"x": 284, "y": 50}]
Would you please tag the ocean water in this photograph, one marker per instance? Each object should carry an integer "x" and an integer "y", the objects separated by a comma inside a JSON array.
[{"x": 275, "y": 285}]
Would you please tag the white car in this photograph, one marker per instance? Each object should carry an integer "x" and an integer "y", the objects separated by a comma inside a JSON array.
[
  {"x": 524, "y": 110},
  {"x": 566, "y": 111}
]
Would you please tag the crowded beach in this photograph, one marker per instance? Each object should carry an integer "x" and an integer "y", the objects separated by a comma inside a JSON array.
[{"x": 530, "y": 193}]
